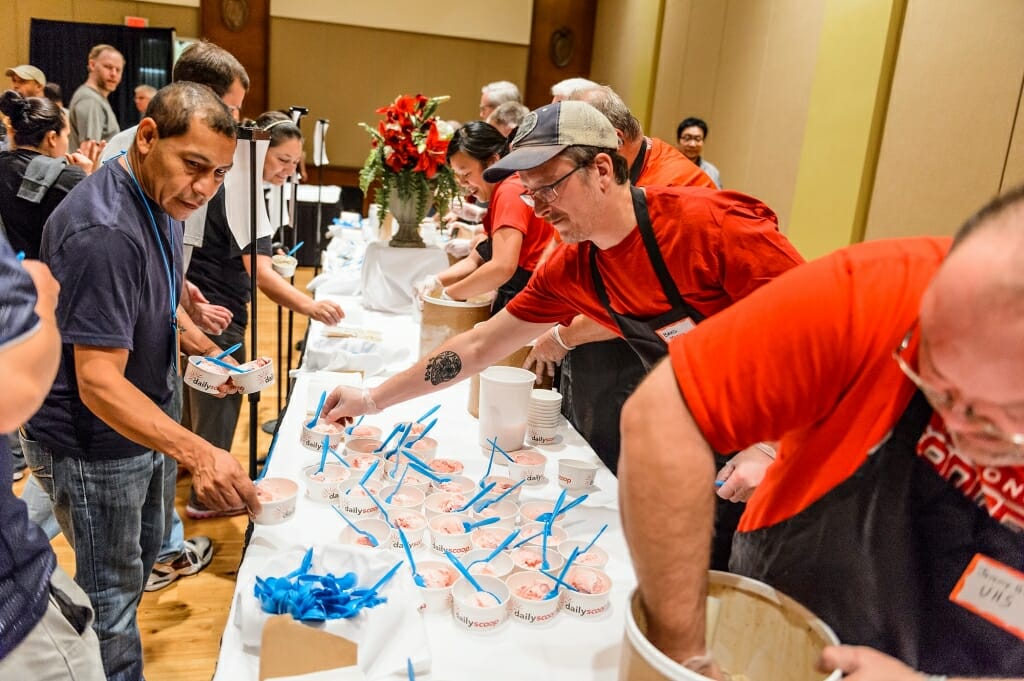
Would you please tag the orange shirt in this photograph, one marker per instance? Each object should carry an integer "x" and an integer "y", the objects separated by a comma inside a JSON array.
[
  {"x": 719, "y": 247},
  {"x": 666, "y": 166},
  {"x": 506, "y": 209},
  {"x": 808, "y": 361}
]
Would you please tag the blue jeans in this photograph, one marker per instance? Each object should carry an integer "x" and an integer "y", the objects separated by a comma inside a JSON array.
[{"x": 112, "y": 513}]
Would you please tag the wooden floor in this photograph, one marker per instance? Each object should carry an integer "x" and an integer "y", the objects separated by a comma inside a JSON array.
[{"x": 181, "y": 625}]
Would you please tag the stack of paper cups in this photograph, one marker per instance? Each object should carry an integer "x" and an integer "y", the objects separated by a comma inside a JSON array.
[{"x": 543, "y": 417}]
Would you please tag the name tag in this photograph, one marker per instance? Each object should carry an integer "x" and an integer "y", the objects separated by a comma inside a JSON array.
[
  {"x": 670, "y": 331},
  {"x": 994, "y": 591}
]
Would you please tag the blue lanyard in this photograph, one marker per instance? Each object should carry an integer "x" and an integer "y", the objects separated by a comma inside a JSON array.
[{"x": 168, "y": 269}]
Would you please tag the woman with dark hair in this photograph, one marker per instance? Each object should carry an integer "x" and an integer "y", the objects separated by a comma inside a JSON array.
[
  {"x": 516, "y": 237},
  {"x": 38, "y": 172},
  {"x": 220, "y": 269}
]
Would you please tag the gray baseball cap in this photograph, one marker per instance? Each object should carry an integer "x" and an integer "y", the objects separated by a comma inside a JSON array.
[
  {"x": 27, "y": 72},
  {"x": 550, "y": 130}
]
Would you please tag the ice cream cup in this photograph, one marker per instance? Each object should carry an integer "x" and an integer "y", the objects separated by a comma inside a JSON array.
[
  {"x": 380, "y": 530},
  {"x": 436, "y": 596},
  {"x": 584, "y": 604},
  {"x": 413, "y": 480},
  {"x": 529, "y": 511},
  {"x": 323, "y": 486},
  {"x": 595, "y": 557},
  {"x": 440, "y": 503},
  {"x": 354, "y": 502},
  {"x": 500, "y": 566},
  {"x": 528, "y": 558},
  {"x": 284, "y": 264},
  {"x": 425, "y": 449},
  {"x": 528, "y": 465},
  {"x": 556, "y": 537},
  {"x": 413, "y": 524},
  {"x": 473, "y": 610},
  {"x": 447, "y": 534},
  {"x": 277, "y": 496},
  {"x": 541, "y": 434},
  {"x": 407, "y": 498},
  {"x": 526, "y": 598},
  {"x": 259, "y": 374},
  {"x": 362, "y": 462},
  {"x": 362, "y": 431},
  {"x": 417, "y": 427},
  {"x": 205, "y": 376},
  {"x": 502, "y": 483},
  {"x": 574, "y": 474},
  {"x": 488, "y": 537},
  {"x": 362, "y": 445},
  {"x": 459, "y": 484},
  {"x": 445, "y": 467},
  {"x": 507, "y": 512},
  {"x": 313, "y": 438}
]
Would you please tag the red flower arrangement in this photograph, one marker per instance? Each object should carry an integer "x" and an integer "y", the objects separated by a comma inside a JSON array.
[{"x": 408, "y": 151}]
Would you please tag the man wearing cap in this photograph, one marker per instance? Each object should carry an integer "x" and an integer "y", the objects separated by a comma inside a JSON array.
[
  {"x": 647, "y": 264},
  {"x": 27, "y": 79},
  {"x": 90, "y": 114}
]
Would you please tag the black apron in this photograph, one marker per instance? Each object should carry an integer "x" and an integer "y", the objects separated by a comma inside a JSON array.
[
  {"x": 507, "y": 291},
  {"x": 877, "y": 557}
]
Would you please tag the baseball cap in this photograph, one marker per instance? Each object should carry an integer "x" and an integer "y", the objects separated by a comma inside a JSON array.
[
  {"x": 548, "y": 131},
  {"x": 27, "y": 72}
]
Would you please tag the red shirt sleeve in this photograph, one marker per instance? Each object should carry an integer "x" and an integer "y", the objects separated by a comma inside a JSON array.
[{"x": 554, "y": 291}]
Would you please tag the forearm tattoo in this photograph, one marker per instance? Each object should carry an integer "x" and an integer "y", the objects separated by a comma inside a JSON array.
[{"x": 442, "y": 368}]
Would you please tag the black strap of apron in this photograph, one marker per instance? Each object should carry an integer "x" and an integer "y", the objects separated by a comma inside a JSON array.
[
  {"x": 668, "y": 286},
  {"x": 638, "y": 163}
]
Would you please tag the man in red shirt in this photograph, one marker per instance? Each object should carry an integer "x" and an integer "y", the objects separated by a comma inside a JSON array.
[
  {"x": 645, "y": 264},
  {"x": 892, "y": 376}
]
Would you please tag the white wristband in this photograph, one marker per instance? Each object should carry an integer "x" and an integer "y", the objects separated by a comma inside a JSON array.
[
  {"x": 768, "y": 450},
  {"x": 558, "y": 338},
  {"x": 368, "y": 403}
]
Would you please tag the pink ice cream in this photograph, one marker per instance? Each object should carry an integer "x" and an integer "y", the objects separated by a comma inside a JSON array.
[
  {"x": 424, "y": 445},
  {"x": 481, "y": 600},
  {"x": 438, "y": 578},
  {"x": 407, "y": 521},
  {"x": 417, "y": 428},
  {"x": 272, "y": 490},
  {"x": 443, "y": 525},
  {"x": 483, "y": 569},
  {"x": 403, "y": 499},
  {"x": 447, "y": 466},
  {"x": 535, "y": 590},
  {"x": 328, "y": 428},
  {"x": 207, "y": 365},
  {"x": 365, "y": 431},
  {"x": 528, "y": 458},
  {"x": 527, "y": 557},
  {"x": 362, "y": 461},
  {"x": 330, "y": 474},
  {"x": 450, "y": 503},
  {"x": 501, "y": 483},
  {"x": 589, "y": 558},
  {"x": 486, "y": 538},
  {"x": 454, "y": 486},
  {"x": 255, "y": 364},
  {"x": 587, "y": 581}
]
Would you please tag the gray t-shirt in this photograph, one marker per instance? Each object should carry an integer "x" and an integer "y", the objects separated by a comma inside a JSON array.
[{"x": 91, "y": 117}]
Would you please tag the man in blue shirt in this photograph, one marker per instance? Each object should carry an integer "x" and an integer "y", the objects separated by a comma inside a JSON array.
[
  {"x": 115, "y": 246},
  {"x": 44, "y": 616}
]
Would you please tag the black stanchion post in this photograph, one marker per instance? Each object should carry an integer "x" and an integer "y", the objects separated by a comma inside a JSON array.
[
  {"x": 321, "y": 160},
  {"x": 296, "y": 112},
  {"x": 252, "y": 136}
]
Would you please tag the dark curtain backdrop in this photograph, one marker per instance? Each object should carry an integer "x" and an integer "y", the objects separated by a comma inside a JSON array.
[{"x": 61, "y": 50}]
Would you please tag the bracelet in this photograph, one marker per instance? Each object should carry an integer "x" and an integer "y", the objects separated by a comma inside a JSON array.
[
  {"x": 768, "y": 450},
  {"x": 936, "y": 677},
  {"x": 558, "y": 338},
  {"x": 371, "y": 407}
]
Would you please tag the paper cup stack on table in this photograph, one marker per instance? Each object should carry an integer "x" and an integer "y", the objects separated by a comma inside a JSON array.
[
  {"x": 545, "y": 416},
  {"x": 504, "y": 405}
]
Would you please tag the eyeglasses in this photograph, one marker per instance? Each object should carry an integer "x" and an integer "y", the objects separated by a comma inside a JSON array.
[
  {"x": 946, "y": 400},
  {"x": 547, "y": 193},
  {"x": 691, "y": 138}
]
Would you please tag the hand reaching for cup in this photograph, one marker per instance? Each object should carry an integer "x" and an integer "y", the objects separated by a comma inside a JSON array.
[
  {"x": 743, "y": 473},
  {"x": 325, "y": 311}
]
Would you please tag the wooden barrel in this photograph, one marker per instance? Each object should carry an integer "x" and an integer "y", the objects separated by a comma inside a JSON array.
[
  {"x": 760, "y": 634},
  {"x": 443, "y": 319}
]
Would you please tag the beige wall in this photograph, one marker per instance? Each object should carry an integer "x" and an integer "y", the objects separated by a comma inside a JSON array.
[
  {"x": 746, "y": 67},
  {"x": 343, "y": 73},
  {"x": 626, "y": 38},
  {"x": 955, "y": 96}
]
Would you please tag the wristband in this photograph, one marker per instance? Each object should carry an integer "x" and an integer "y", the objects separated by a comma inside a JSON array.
[
  {"x": 936, "y": 677},
  {"x": 368, "y": 403},
  {"x": 768, "y": 450},
  {"x": 558, "y": 338}
]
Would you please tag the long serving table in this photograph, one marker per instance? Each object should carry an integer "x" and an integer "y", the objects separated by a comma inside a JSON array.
[{"x": 566, "y": 648}]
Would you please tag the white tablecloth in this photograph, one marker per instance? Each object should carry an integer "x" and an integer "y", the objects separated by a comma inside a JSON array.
[{"x": 567, "y": 648}]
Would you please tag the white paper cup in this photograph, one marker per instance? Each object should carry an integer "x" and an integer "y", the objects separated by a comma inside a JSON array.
[
  {"x": 587, "y": 605},
  {"x": 443, "y": 503},
  {"x": 557, "y": 536},
  {"x": 375, "y": 526},
  {"x": 205, "y": 376},
  {"x": 354, "y": 502},
  {"x": 459, "y": 484},
  {"x": 524, "y": 603},
  {"x": 259, "y": 374},
  {"x": 500, "y": 566},
  {"x": 277, "y": 496},
  {"x": 529, "y": 558},
  {"x": 503, "y": 483},
  {"x": 407, "y": 497},
  {"x": 413, "y": 524},
  {"x": 313, "y": 439},
  {"x": 474, "y": 616},
  {"x": 284, "y": 264},
  {"x": 425, "y": 449},
  {"x": 506, "y": 511},
  {"x": 360, "y": 463},
  {"x": 504, "y": 401},
  {"x": 436, "y": 599},
  {"x": 595, "y": 557},
  {"x": 574, "y": 474},
  {"x": 447, "y": 467},
  {"x": 324, "y": 486},
  {"x": 441, "y": 539},
  {"x": 362, "y": 445},
  {"x": 529, "y": 465},
  {"x": 541, "y": 435},
  {"x": 363, "y": 430}
]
